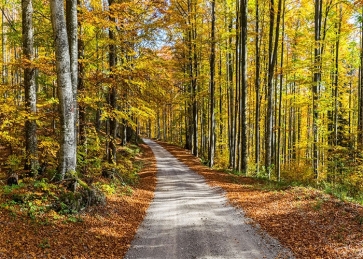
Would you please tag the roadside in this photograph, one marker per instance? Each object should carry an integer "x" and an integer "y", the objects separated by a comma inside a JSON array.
[
  {"x": 309, "y": 222},
  {"x": 100, "y": 232}
]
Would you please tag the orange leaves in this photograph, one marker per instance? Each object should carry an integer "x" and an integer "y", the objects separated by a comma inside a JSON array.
[{"x": 106, "y": 232}]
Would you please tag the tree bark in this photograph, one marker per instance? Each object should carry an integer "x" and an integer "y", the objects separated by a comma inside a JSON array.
[
  {"x": 316, "y": 81},
  {"x": 244, "y": 92},
  {"x": 212, "y": 136},
  {"x": 67, "y": 152},
  {"x": 273, "y": 44},
  {"x": 72, "y": 31},
  {"x": 31, "y": 145},
  {"x": 81, "y": 89},
  {"x": 257, "y": 89},
  {"x": 112, "y": 94}
]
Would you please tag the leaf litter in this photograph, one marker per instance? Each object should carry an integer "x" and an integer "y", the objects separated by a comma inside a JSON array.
[{"x": 99, "y": 232}]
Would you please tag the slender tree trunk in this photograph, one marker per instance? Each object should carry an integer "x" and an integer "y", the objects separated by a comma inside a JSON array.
[
  {"x": 360, "y": 94},
  {"x": 316, "y": 82},
  {"x": 31, "y": 145},
  {"x": 257, "y": 87},
  {"x": 336, "y": 80},
  {"x": 273, "y": 44},
  {"x": 81, "y": 90},
  {"x": 194, "y": 87},
  {"x": 244, "y": 86},
  {"x": 112, "y": 94},
  {"x": 212, "y": 140},
  {"x": 67, "y": 152},
  {"x": 278, "y": 158},
  {"x": 231, "y": 107},
  {"x": 72, "y": 25}
]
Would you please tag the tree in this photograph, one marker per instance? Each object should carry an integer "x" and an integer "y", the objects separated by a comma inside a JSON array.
[
  {"x": 72, "y": 32},
  {"x": 67, "y": 152},
  {"x": 273, "y": 46},
  {"x": 30, "y": 87},
  {"x": 112, "y": 94},
  {"x": 212, "y": 122},
  {"x": 243, "y": 94}
]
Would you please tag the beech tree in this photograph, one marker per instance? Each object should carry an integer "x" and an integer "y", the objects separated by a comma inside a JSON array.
[
  {"x": 212, "y": 123},
  {"x": 31, "y": 145},
  {"x": 67, "y": 107}
]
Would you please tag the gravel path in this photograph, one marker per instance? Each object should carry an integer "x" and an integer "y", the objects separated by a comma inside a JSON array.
[{"x": 189, "y": 219}]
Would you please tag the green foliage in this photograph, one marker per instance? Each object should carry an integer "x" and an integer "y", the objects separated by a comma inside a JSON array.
[
  {"x": 235, "y": 172},
  {"x": 14, "y": 162},
  {"x": 44, "y": 186},
  {"x": 109, "y": 189},
  {"x": 44, "y": 244},
  {"x": 74, "y": 219},
  {"x": 317, "y": 205},
  {"x": 89, "y": 156},
  {"x": 345, "y": 174},
  {"x": 298, "y": 172},
  {"x": 9, "y": 189}
]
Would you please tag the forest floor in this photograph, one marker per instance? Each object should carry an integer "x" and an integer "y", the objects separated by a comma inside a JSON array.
[
  {"x": 100, "y": 232},
  {"x": 309, "y": 222},
  {"x": 312, "y": 224}
]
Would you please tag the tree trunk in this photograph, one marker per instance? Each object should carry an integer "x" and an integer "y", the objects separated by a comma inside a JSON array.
[
  {"x": 244, "y": 92},
  {"x": 273, "y": 44},
  {"x": 212, "y": 136},
  {"x": 81, "y": 90},
  {"x": 30, "y": 87},
  {"x": 231, "y": 107},
  {"x": 316, "y": 81},
  {"x": 360, "y": 93},
  {"x": 257, "y": 89},
  {"x": 72, "y": 25},
  {"x": 278, "y": 155},
  {"x": 67, "y": 152},
  {"x": 112, "y": 94}
]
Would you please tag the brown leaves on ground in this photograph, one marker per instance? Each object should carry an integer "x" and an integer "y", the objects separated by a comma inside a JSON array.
[
  {"x": 103, "y": 232},
  {"x": 309, "y": 222}
]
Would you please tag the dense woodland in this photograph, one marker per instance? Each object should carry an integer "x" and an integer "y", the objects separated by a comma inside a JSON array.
[{"x": 267, "y": 88}]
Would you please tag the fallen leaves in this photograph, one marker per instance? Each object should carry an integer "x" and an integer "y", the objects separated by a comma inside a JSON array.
[{"x": 104, "y": 232}]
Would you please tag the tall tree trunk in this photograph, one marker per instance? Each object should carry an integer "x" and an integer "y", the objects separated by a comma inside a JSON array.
[
  {"x": 30, "y": 87},
  {"x": 112, "y": 94},
  {"x": 194, "y": 73},
  {"x": 278, "y": 157},
  {"x": 72, "y": 25},
  {"x": 273, "y": 44},
  {"x": 67, "y": 152},
  {"x": 257, "y": 89},
  {"x": 316, "y": 81},
  {"x": 3, "y": 49},
  {"x": 212, "y": 136},
  {"x": 231, "y": 107},
  {"x": 244, "y": 92},
  {"x": 81, "y": 90},
  {"x": 360, "y": 93}
]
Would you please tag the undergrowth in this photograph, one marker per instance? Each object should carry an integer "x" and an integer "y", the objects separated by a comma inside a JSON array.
[{"x": 44, "y": 199}]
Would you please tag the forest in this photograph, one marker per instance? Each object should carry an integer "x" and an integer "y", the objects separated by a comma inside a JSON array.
[
  {"x": 263, "y": 88},
  {"x": 266, "y": 94}
]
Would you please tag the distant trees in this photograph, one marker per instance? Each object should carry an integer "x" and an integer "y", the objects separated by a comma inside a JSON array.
[
  {"x": 263, "y": 88},
  {"x": 281, "y": 76}
]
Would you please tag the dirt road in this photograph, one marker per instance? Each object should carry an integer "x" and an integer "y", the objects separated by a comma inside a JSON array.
[{"x": 189, "y": 219}]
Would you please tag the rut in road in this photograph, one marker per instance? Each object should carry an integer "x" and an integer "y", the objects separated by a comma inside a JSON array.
[{"x": 190, "y": 219}]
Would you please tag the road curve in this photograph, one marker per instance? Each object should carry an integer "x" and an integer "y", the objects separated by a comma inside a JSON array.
[{"x": 189, "y": 219}]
